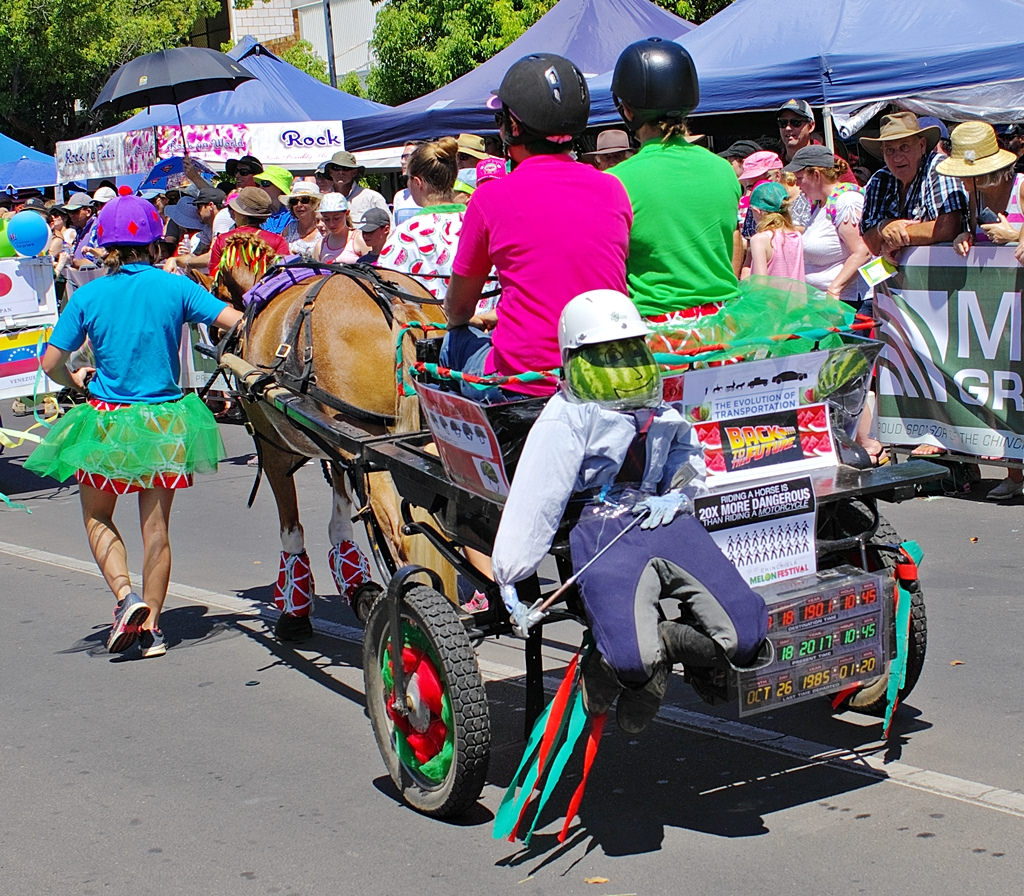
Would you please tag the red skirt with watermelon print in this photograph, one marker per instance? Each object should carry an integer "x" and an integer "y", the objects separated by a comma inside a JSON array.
[{"x": 124, "y": 448}]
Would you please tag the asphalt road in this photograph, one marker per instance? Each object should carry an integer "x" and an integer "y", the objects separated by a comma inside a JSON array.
[{"x": 235, "y": 765}]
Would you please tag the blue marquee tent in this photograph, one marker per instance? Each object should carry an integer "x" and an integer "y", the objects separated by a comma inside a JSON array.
[
  {"x": 22, "y": 167},
  {"x": 756, "y": 54},
  {"x": 591, "y": 33},
  {"x": 279, "y": 92}
]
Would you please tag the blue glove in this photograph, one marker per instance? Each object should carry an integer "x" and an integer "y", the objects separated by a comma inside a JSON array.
[
  {"x": 524, "y": 617},
  {"x": 662, "y": 509}
]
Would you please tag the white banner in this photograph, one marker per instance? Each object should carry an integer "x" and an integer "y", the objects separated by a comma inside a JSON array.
[
  {"x": 296, "y": 145},
  {"x": 108, "y": 155}
]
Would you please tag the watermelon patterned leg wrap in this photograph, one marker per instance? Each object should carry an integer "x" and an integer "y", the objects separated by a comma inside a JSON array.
[
  {"x": 294, "y": 589},
  {"x": 349, "y": 567}
]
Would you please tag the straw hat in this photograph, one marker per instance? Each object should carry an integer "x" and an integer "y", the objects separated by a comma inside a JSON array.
[
  {"x": 975, "y": 151},
  {"x": 899, "y": 126}
]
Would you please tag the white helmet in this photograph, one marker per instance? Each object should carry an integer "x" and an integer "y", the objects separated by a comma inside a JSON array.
[
  {"x": 598, "y": 315},
  {"x": 605, "y": 357}
]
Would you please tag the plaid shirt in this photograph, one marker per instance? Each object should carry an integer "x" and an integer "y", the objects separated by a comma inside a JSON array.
[{"x": 929, "y": 195}]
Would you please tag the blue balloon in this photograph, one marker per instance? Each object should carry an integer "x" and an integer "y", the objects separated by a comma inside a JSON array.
[{"x": 28, "y": 233}]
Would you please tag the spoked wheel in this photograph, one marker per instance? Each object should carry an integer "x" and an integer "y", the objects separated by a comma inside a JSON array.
[
  {"x": 436, "y": 752},
  {"x": 871, "y": 697}
]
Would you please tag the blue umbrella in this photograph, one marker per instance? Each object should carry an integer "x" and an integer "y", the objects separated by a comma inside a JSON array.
[{"x": 170, "y": 174}]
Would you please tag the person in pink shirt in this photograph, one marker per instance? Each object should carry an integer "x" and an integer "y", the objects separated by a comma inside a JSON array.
[
  {"x": 552, "y": 229},
  {"x": 776, "y": 249}
]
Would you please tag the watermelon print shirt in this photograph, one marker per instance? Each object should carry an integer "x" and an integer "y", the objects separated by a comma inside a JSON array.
[{"x": 425, "y": 246}]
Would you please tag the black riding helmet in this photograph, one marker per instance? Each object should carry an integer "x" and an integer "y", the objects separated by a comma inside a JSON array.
[
  {"x": 547, "y": 94},
  {"x": 656, "y": 79}
]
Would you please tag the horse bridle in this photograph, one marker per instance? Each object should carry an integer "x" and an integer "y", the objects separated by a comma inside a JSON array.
[{"x": 304, "y": 380}]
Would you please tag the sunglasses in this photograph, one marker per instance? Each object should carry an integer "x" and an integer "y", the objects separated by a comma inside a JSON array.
[
  {"x": 243, "y": 170},
  {"x": 791, "y": 122},
  {"x": 302, "y": 200}
]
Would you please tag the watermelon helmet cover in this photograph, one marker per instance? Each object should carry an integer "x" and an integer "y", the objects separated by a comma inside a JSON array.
[{"x": 605, "y": 357}]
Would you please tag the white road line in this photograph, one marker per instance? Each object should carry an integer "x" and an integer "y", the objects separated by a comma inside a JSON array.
[{"x": 865, "y": 761}]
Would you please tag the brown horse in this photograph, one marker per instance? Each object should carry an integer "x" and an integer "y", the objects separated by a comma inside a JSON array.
[{"x": 331, "y": 337}]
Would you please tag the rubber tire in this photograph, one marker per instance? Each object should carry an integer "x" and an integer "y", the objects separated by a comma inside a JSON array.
[
  {"x": 434, "y": 615},
  {"x": 871, "y": 698}
]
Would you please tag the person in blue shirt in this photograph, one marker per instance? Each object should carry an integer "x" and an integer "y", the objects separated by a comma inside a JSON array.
[
  {"x": 277, "y": 182},
  {"x": 138, "y": 432}
]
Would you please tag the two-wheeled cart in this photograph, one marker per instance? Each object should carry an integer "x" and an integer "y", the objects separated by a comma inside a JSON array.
[{"x": 834, "y": 632}]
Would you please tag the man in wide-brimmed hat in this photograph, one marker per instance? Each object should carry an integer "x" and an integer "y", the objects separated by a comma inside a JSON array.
[
  {"x": 908, "y": 203},
  {"x": 612, "y": 147},
  {"x": 250, "y": 207},
  {"x": 345, "y": 170}
]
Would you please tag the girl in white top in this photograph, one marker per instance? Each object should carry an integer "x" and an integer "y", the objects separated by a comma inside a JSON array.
[{"x": 834, "y": 249}]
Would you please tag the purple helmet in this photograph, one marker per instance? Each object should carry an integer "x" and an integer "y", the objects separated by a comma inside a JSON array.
[{"x": 128, "y": 220}]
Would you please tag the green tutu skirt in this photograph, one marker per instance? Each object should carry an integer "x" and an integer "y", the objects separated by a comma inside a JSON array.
[{"x": 138, "y": 444}]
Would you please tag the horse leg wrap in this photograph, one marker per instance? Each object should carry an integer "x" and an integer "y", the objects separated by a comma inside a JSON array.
[
  {"x": 294, "y": 589},
  {"x": 349, "y": 566}
]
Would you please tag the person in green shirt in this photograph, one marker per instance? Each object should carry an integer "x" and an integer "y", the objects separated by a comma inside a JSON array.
[{"x": 684, "y": 246}]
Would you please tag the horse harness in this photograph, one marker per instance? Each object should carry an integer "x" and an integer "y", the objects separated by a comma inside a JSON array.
[{"x": 293, "y": 362}]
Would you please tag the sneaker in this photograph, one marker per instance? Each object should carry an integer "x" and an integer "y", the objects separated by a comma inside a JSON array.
[
  {"x": 637, "y": 706},
  {"x": 152, "y": 643},
  {"x": 599, "y": 684},
  {"x": 477, "y": 603},
  {"x": 1005, "y": 491},
  {"x": 129, "y": 614},
  {"x": 293, "y": 628}
]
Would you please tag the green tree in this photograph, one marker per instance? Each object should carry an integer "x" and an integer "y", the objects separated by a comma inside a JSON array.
[
  {"x": 423, "y": 44},
  {"x": 696, "y": 11},
  {"x": 57, "y": 55},
  {"x": 301, "y": 55}
]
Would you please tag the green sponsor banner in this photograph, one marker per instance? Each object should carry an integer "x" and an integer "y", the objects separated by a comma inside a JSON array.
[{"x": 950, "y": 373}]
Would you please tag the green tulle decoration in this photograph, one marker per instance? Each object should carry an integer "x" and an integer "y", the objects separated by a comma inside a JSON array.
[
  {"x": 771, "y": 318},
  {"x": 132, "y": 443}
]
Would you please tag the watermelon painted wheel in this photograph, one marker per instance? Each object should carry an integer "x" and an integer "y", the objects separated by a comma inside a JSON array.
[{"x": 437, "y": 752}]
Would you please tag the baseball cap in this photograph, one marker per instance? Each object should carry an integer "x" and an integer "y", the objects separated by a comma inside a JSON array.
[
  {"x": 78, "y": 200},
  {"x": 740, "y": 150},
  {"x": 373, "y": 219},
  {"x": 490, "y": 169},
  {"x": 797, "y": 107},
  {"x": 759, "y": 164},
  {"x": 769, "y": 197},
  {"x": 813, "y": 156},
  {"x": 210, "y": 194},
  {"x": 333, "y": 202},
  {"x": 151, "y": 193},
  {"x": 104, "y": 195},
  {"x": 35, "y": 204}
]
